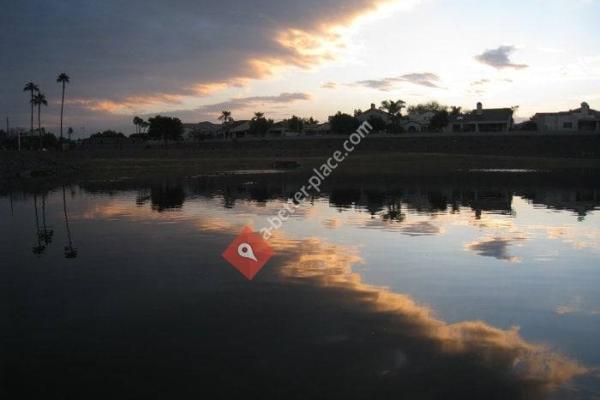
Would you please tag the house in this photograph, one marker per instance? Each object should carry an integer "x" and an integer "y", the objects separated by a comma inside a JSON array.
[
  {"x": 200, "y": 130},
  {"x": 238, "y": 129},
  {"x": 482, "y": 120},
  {"x": 317, "y": 129},
  {"x": 413, "y": 126},
  {"x": 580, "y": 119},
  {"x": 374, "y": 112},
  {"x": 281, "y": 129},
  {"x": 417, "y": 121}
]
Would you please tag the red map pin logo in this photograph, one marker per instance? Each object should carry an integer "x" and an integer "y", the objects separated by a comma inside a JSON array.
[{"x": 248, "y": 253}]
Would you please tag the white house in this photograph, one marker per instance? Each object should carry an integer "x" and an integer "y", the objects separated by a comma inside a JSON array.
[
  {"x": 580, "y": 119},
  {"x": 374, "y": 112},
  {"x": 202, "y": 129}
]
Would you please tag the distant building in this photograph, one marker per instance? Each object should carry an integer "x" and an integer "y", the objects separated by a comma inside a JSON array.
[
  {"x": 417, "y": 121},
  {"x": 482, "y": 120},
  {"x": 374, "y": 112},
  {"x": 317, "y": 129},
  {"x": 200, "y": 130},
  {"x": 281, "y": 129},
  {"x": 238, "y": 129},
  {"x": 581, "y": 119}
]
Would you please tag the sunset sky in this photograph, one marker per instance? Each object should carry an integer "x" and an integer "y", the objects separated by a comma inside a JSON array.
[{"x": 192, "y": 59}]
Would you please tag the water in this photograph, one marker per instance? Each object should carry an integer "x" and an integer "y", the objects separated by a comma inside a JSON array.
[{"x": 478, "y": 284}]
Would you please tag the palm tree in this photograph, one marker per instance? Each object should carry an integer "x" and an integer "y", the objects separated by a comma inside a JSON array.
[
  {"x": 258, "y": 115},
  {"x": 144, "y": 125},
  {"x": 64, "y": 79},
  {"x": 394, "y": 108},
  {"x": 137, "y": 121},
  {"x": 226, "y": 118},
  {"x": 40, "y": 100},
  {"x": 32, "y": 88}
]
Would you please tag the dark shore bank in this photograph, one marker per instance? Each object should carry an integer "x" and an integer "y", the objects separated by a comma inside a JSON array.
[{"x": 410, "y": 155}]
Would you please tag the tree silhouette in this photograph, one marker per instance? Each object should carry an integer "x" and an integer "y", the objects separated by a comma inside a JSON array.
[
  {"x": 39, "y": 248},
  {"x": 39, "y": 100},
  {"x": 137, "y": 121},
  {"x": 32, "y": 88},
  {"x": 259, "y": 126},
  {"x": 63, "y": 79},
  {"x": 226, "y": 119},
  {"x": 393, "y": 108},
  {"x": 46, "y": 234},
  {"x": 165, "y": 128},
  {"x": 454, "y": 110}
]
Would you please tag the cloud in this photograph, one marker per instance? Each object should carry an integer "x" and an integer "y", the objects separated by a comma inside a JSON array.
[
  {"x": 242, "y": 103},
  {"x": 120, "y": 53},
  {"x": 480, "y": 82},
  {"x": 237, "y": 104},
  {"x": 495, "y": 247},
  {"x": 426, "y": 79},
  {"x": 499, "y": 58},
  {"x": 329, "y": 85}
]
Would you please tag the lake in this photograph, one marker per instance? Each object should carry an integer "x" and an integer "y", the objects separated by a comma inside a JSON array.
[{"x": 472, "y": 284}]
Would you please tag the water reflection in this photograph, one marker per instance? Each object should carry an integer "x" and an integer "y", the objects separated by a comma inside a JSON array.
[
  {"x": 40, "y": 247},
  {"x": 151, "y": 295},
  {"x": 70, "y": 251}
]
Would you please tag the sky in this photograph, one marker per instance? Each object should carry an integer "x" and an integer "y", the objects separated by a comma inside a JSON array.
[{"x": 194, "y": 58}]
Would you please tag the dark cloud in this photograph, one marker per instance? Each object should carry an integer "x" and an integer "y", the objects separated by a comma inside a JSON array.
[
  {"x": 127, "y": 53},
  {"x": 499, "y": 58},
  {"x": 427, "y": 79},
  {"x": 495, "y": 247}
]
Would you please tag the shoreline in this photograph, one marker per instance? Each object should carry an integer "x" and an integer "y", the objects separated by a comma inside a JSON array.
[{"x": 81, "y": 165}]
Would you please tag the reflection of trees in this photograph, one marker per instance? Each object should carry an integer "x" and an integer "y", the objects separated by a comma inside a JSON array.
[
  {"x": 344, "y": 197},
  {"x": 375, "y": 201},
  {"x": 164, "y": 197},
  {"x": 70, "y": 252},
  {"x": 394, "y": 212},
  {"x": 483, "y": 194},
  {"x": 47, "y": 233},
  {"x": 39, "y": 248},
  {"x": 229, "y": 198}
]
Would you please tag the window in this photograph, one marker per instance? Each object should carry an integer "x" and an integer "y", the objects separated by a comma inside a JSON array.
[{"x": 568, "y": 125}]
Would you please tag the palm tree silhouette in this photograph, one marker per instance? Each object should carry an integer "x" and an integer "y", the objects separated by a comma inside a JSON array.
[
  {"x": 394, "y": 108},
  {"x": 226, "y": 118},
  {"x": 40, "y": 100},
  {"x": 32, "y": 88},
  {"x": 137, "y": 121},
  {"x": 70, "y": 252},
  {"x": 64, "y": 79},
  {"x": 258, "y": 115}
]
